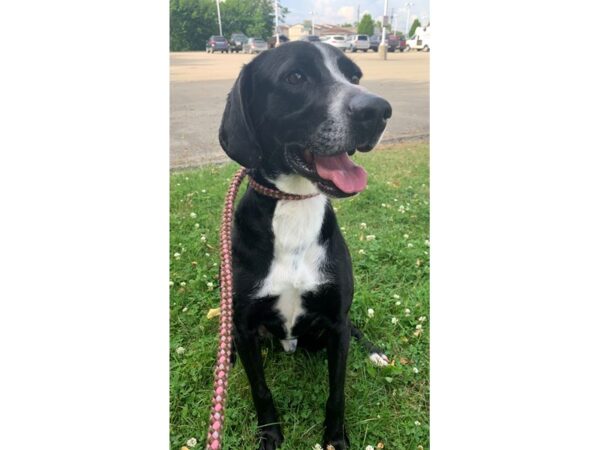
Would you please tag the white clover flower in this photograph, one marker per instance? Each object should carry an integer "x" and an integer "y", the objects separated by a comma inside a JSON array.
[
  {"x": 361, "y": 252},
  {"x": 204, "y": 191},
  {"x": 417, "y": 423},
  {"x": 369, "y": 447},
  {"x": 202, "y": 238},
  {"x": 415, "y": 370},
  {"x": 419, "y": 327},
  {"x": 343, "y": 228},
  {"x": 207, "y": 254},
  {"x": 363, "y": 226},
  {"x": 186, "y": 178},
  {"x": 370, "y": 312},
  {"x": 409, "y": 245},
  {"x": 398, "y": 303},
  {"x": 317, "y": 447},
  {"x": 407, "y": 312},
  {"x": 405, "y": 236},
  {"x": 180, "y": 350},
  {"x": 396, "y": 296},
  {"x": 383, "y": 205},
  {"x": 184, "y": 309},
  {"x": 177, "y": 255},
  {"x": 196, "y": 225},
  {"x": 193, "y": 215},
  {"x": 394, "y": 320},
  {"x": 171, "y": 284},
  {"x": 335, "y": 209},
  {"x": 370, "y": 237},
  {"x": 422, "y": 319},
  {"x": 191, "y": 442},
  {"x": 427, "y": 242},
  {"x": 210, "y": 285},
  {"x": 182, "y": 284}
]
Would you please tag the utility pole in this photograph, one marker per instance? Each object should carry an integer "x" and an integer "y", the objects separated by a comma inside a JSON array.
[
  {"x": 276, "y": 23},
  {"x": 383, "y": 45},
  {"x": 312, "y": 15},
  {"x": 408, "y": 5},
  {"x": 358, "y": 14},
  {"x": 219, "y": 16}
]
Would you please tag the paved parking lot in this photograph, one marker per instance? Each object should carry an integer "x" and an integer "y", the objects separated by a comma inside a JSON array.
[{"x": 200, "y": 83}]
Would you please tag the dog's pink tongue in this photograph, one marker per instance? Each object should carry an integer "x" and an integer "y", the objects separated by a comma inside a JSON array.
[{"x": 342, "y": 172}]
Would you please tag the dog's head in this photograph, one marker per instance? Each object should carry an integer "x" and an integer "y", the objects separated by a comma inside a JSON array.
[{"x": 299, "y": 110}]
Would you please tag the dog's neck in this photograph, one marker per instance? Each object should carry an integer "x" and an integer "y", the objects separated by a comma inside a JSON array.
[{"x": 287, "y": 183}]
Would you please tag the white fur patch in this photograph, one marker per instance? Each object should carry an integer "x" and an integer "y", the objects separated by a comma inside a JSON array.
[
  {"x": 298, "y": 257},
  {"x": 338, "y": 124},
  {"x": 379, "y": 359}
]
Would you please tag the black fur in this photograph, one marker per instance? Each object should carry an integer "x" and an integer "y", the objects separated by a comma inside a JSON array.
[{"x": 266, "y": 122}]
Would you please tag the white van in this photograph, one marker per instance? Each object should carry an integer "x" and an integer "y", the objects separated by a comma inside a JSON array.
[{"x": 420, "y": 41}]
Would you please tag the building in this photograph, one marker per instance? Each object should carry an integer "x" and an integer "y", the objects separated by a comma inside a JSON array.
[
  {"x": 284, "y": 29},
  {"x": 300, "y": 30}
]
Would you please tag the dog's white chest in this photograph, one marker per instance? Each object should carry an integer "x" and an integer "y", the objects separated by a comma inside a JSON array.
[{"x": 297, "y": 257}]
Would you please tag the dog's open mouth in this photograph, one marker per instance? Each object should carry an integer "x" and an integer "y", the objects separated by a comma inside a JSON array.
[{"x": 336, "y": 175}]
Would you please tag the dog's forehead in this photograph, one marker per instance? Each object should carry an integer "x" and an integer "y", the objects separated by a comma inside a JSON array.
[{"x": 309, "y": 56}]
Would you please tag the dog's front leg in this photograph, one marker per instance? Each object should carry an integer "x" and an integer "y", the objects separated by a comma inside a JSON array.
[
  {"x": 337, "y": 355},
  {"x": 248, "y": 350}
]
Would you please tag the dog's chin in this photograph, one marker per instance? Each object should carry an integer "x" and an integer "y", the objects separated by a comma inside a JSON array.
[{"x": 301, "y": 162}]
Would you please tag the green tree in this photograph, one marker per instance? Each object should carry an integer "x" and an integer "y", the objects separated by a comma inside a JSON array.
[
  {"x": 414, "y": 27},
  {"x": 194, "y": 21},
  {"x": 366, "y": 25}
]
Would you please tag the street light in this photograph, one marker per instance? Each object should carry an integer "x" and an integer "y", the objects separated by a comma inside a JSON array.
[
  {"x": 219, "y": 16},
  {"x": 312, "y": 17},
  {"x": 276, "y": 23},
  {"x": 408, "y": 5},
  {"x": 383, "y": 45}
]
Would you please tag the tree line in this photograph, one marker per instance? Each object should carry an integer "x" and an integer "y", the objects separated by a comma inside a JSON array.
[{"x": 192, "y": 22}]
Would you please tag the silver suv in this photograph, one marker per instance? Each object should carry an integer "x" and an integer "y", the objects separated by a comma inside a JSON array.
[{"x": 359, "y": 42}]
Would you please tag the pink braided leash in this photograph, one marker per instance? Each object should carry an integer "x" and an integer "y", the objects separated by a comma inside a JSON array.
[{"x": 223, "y": 364}]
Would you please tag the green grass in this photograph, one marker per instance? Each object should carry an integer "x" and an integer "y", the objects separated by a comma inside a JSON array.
[{"x": 382, "y": 404}]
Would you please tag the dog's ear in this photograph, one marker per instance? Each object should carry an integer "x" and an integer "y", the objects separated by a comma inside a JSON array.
[{"x": 236, "y": 134}]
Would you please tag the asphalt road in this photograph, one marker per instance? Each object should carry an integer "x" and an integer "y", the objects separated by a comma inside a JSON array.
[{"x": 200, "y": 83}]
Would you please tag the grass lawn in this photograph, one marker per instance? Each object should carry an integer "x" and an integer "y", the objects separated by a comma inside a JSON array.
[{"x": 387, "y": 230}]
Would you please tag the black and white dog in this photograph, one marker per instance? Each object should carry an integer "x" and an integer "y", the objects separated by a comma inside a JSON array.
[{"x": 293, "y": 117}]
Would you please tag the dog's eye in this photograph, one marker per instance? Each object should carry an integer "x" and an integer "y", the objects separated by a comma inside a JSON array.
[
  {"x": 354, "y": 79},
  {"x": 295, "y": 78}
]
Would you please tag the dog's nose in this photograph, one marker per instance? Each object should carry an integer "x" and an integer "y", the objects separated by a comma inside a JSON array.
[{"x": 367, "y": 107}]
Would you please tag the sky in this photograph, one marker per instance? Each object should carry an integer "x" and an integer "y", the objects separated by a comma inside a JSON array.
[{"x": 340, "y": 11}]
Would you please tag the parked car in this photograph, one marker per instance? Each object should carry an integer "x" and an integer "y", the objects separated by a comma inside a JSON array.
[
  {"x": 374, "y": 42},
  {"x": 338, "y": 41},
  {"x": 399, "y": 43},
  {"x": 359, "y": 42},
  {"x": 273, "y": 40},
  {"x": 393, "y": 43},
  {"x": 255, "y": 45},
  {"x": 237, "y": 41},
  {"x": 217, "y": 44},
  {"x": 311, "y": 38}
]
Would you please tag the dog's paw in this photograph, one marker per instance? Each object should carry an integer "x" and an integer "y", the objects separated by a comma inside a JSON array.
[
  {"x": 270, "y": 438},
  {"x": 379, "y": 359},
  {"x": 339, "y": 443}
]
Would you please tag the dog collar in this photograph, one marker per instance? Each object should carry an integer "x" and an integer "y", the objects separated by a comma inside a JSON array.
[{"x": 276, "y": 193}]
